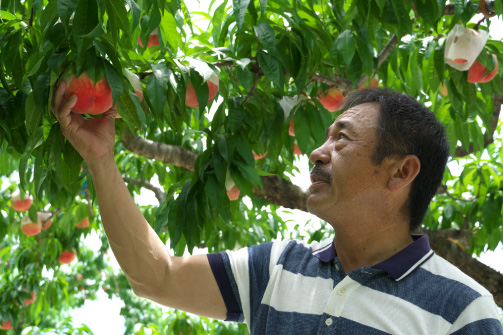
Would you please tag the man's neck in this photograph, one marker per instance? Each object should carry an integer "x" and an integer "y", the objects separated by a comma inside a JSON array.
[{"x": 361, "y": 245}]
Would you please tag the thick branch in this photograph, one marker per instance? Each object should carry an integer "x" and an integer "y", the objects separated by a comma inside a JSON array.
[
  {"x": 450, "y": 8},
  {"x": 171, "y": 154},
  {"x": 282, "y": 192},
  {"x": 159, "y": 194},
  {"x": 489, "y": 134}
]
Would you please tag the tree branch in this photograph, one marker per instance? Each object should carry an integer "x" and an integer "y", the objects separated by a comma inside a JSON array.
[
  {"x": 383, "y": 55},
  {"x": 451, "y": 10},
  {"x": 159, "y": 194},
  {"x": 171, "y": 154}
]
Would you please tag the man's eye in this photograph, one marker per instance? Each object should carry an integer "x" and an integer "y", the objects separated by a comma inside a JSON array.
[{"x": 341, "y": 136}]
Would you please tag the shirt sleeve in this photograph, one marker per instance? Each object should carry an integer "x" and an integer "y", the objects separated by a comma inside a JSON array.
[
  {"x": 242, "y": 277},
  {"x": 480, "y": 317}
]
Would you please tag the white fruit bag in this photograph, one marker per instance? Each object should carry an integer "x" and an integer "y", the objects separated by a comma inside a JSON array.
[{"x": 463, "y": 46}]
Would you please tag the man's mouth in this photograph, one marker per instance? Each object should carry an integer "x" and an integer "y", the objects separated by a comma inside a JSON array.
[{"x": 320, "y": 176}]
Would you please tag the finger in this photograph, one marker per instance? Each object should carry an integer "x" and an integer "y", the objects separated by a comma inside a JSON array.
[
  {"x": 63, "y": 114},
  {"x": 58, "y": 96}
]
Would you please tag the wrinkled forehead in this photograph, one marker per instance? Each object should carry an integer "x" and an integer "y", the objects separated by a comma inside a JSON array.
[{"x": 363, "y": 115}]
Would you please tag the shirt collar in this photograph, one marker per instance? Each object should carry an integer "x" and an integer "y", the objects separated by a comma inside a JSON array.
[{"x": 397, "y": 266}]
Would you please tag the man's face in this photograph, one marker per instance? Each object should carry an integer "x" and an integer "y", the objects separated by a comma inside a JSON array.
[{"x": 344, "y": 179}]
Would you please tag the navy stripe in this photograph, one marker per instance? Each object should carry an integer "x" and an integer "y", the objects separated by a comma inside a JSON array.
[
  {"x": 346, "y": 326},
  {"x": 259, "y": 257},
  {"x": 481, "y": 327},
  {"x": 447, "y": 298},
  {"x": 298, "y": 259},
  {"x": 217, "y": 266},
  {"x": 275, "y": 322}
]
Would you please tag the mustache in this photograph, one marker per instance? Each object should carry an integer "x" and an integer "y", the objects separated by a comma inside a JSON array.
[{"x": 322, "y": 173}]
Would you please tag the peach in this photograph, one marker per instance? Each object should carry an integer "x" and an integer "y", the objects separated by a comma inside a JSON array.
[
  {"x": 83, "y": 224},
  {"x": 478, "y": 72},
  {"x": 296, "y": 149},
  {"x": 190, "y": 93},
  {"x": 257, "y": 156},
  {"x": 153, "y": 39},
  {"x": 135, "y": 82},
  {"x": 91, "y": 99},
  {"x": 29, "y": 227},
  {"x": 79, "y": 277},
  {"x": 32, "y": 300},
  {"x": 443, "y": 89},
  {"x": 67, "y": 257},
  {"x": 373, "y": 82},
  {"x": 231, "y": 188},
  {"x": 45, "y": 218},
  {"x": 463, "y": 45},
  {"x": 18, "y": 204},
  {"x": 6, "y": 325},
  {"x": 291, "y": 129},
  {"x": 332, "y": 100}
]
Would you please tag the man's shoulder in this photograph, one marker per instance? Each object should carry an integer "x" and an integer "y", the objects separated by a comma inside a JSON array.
[{"x": 446, "y": 271}]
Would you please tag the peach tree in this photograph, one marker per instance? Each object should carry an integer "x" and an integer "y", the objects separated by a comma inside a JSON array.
[{"x": 229, "y": 99}]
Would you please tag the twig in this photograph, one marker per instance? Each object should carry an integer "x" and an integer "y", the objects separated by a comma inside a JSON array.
[
  {"x": 159, "y": 194},
  {"x": 254, "y": 87},
  {"x": 383, "y": 55},
  {"x": 88, "y": 198}
]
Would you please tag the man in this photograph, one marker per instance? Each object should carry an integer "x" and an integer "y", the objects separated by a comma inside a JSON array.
[{"x": 373, "y": 179}]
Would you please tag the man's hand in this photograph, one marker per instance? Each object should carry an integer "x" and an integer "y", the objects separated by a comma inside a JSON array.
[{"x": 93, "y": 138}]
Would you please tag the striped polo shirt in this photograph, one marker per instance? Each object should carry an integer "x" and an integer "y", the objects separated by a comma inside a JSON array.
[{"x": 290, "y": 287}]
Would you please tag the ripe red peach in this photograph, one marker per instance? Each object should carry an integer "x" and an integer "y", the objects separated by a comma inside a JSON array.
[
  {"x": 67, "y": 257},
  {"x": 29, "y": 227},
  {"x": 478, "y": 72},
  {"x": 28, "y": 302},
  {"x": 91, "y": 99},
  {"x": 153, "y": 39},
  {"x": 20, "y": 205},
  {"x": 331, "y": 100},
  {"x": 83, "y": 224},
  {"x": 6, "y": 325},
  {"x": 45, "y": 218},
  {"x": 190, "y": 93}
]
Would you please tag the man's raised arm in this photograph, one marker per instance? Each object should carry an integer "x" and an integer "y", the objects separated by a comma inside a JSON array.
[{"x": 185, "y": 283}]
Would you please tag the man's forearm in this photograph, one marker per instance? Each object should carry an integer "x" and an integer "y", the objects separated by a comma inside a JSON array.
[{"x": 139, "y": 251}]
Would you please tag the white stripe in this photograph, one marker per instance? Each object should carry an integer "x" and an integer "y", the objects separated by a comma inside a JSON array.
[
  {"x": 239, "y": 265},
  {"x": 412, "y": 268},
  {"x": 289, "y": 292},
  {"x": 323, "y": 248},
  {"x": 439, "y": 266},
  {"x": 481, "y": 308},
  {"x": 391, "y": 314}
]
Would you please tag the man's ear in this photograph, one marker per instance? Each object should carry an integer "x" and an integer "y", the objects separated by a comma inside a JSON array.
[{"x": 403, "y": 172}]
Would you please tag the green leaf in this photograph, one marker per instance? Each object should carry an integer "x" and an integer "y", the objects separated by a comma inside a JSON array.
[
  {"x": 239, "y": 9},
  {"x": 117, "y": 12},
  {"x": 236, "y": 115},
  {"x": 66, "y": 9},
  {"x": 263, "y": 6},
  {"x": 172, "y": 35},
  {"x": 157, "y": 86},
  {"x": 346, "y": 46},
  {"x": 114, "y": 81},
  {"x": 33, "y": 115},
  {"x": 266, "y": 36},
  {"x": 271, "y": 68},
  {"x": 84, "y": 22}
]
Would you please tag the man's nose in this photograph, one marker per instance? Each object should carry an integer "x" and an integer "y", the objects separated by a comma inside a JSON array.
[{"x": 320, "y": 156}]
